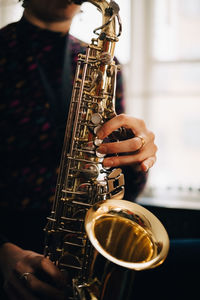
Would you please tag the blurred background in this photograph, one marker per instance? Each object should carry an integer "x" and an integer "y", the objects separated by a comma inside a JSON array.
[{"x": 159, "y": 51}]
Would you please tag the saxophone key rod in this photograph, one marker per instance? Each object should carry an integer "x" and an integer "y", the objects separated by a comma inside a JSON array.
[
  {"x": 73, "y": 244},
  {"x": 84, "y": 160},
  {"x": 79, "y": 233}
]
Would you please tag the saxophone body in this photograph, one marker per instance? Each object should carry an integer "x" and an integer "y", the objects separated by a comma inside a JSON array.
[{"x": 91, "y": 229}]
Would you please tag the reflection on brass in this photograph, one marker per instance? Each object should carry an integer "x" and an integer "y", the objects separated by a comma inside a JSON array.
[
  {"x": 127, "y": 234},
  {"x": 124, "y": 239}
]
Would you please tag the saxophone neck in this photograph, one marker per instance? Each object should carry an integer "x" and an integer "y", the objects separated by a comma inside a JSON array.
[{"x": 107, "y": 31}]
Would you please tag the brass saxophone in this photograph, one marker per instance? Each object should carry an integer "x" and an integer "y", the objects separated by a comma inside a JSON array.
[{"x": 91, "y": 231}]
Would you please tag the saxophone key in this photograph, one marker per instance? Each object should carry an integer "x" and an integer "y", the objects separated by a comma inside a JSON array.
[
  {"x": 100, "y": 155},
  {"x": 115, "y": 173},
  {"x": 90, "y": 171},
  {"x": 96, "y": 129},
  {"x": 115, "y": 183},
  {"x": 117, "y": 194},
  {"x": 96, "y": 118},
  {"x": 97, "y": 142}
]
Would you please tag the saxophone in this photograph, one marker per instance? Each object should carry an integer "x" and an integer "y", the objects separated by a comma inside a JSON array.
[{"x": 91, "y": 231}]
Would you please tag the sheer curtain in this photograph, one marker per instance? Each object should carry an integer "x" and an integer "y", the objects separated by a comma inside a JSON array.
[
  {"x": 10, "y": 11},
  {"x": 167, "y": 94}
]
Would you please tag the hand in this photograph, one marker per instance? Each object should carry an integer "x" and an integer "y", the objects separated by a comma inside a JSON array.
[
  {"x": 15, "y": 261},
  {"x": 142, "y": 149}
]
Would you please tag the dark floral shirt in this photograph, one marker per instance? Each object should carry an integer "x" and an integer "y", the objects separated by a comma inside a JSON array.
[{"x": 30, "y": 138}]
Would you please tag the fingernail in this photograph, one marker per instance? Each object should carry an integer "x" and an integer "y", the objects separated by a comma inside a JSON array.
[
  {"x": 145, "y": 167},
  {"x": 108, "y": 162}
]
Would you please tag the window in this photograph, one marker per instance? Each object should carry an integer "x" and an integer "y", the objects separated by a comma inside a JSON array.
[
  {"x": 90, "y": 18},
  {"x": 170, "y": 97},
  {"x": 10, "y": 11}
]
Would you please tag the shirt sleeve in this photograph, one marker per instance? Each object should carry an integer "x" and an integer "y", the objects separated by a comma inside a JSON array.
[{"x": 135, "y": 179}]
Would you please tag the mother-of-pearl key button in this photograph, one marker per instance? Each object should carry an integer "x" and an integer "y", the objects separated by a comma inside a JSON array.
[{"x": 96, "y": 118}]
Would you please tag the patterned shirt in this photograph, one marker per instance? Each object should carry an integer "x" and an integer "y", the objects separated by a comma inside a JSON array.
[{"x": 30, "y": 136}]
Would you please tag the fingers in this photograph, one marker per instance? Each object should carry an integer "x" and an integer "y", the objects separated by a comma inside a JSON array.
[
  {"x": 32, "y": 289},
  {"x": 136, "y": 125},
  {"x": 130, "y": 145},
  {"x": 43, "y": 289},
  {"x": 42, "y": 267},
  {"x": 146, "y": 157},
  {"x": 115, "y": 161},
  {"x": 43, "y": 279},
  {"x": 13, "y": 295},
  {"x": 148, "y": 163},
  {"x": 16, "y": 289},
  {"x": 10, "y": 294},
  {"x": 139, "y": 149},
  {"x": 50, "y": 270}
]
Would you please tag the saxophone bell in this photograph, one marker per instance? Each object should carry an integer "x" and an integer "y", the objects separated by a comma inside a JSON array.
[{"x": 127, "y": 234}]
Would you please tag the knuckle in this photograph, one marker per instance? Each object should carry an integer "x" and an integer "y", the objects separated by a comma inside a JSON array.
[
  {"x": 44, "y": 261},
  {"x": 152, "y": 135},
  {"x": 142, "y": 123},
  {"x": 116, "y": 161},
  {"x": 18, "y": 267},
  {"x": 102, "y": 131},
  {"x": 123, "y": 118},
  {"x": 136, "y": 143},
  {"x": 155, "y": 148},
  {"x": 140, "y": 159}
]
